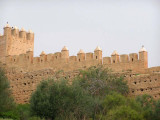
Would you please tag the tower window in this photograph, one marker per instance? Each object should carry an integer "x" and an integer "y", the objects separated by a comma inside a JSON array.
[
  {"x": 96, "y": 57},
  {"x": 132, "y": 59},
  {"x": 113, "y": 61},
  {"x": 79, "y": 60}
]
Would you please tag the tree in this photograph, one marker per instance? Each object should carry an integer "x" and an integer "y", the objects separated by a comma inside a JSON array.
[
  {"x": 6, "y": 100},
  {"x": 157, "y": 110},
  {"x": 148, "y": 105},
  {"x": 99, "y": 81},
  {"x": 59, "y": 100},
  {"x": 124, "y": 113},
  {"x": 113, "y": 108}
]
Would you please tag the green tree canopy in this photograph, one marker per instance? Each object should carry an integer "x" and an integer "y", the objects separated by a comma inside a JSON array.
[
  {"x": 6, "y": 100},
  {"x": 99, "y": 81},
  {"x": 58, "y": 100}
]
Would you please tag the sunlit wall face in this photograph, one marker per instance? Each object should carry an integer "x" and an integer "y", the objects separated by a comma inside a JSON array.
[{"x": 84, "y": 24}]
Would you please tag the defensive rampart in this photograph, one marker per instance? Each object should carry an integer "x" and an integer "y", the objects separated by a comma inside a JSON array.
[{"x": 25, "y": 71}]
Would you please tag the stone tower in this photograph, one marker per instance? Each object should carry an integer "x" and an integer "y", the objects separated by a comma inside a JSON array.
[
  {"x": 65, "y": 54},
  {"x": 15, "y": 42},
  {"x": 81, "y": 55},
  {"x": 143, "y": 57},
  {"x": 115, "y": 57},
  {"x": 98, "y": 54}
]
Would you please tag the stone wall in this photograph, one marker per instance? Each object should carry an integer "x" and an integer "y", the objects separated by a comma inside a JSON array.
[
  {"x": 25, "y": 71},
  {"x": 15, "y": 42},
  {"x": 24, "y": 83}
]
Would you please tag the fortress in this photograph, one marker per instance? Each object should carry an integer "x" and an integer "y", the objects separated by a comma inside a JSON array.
[{"x": 25, "y": 71}]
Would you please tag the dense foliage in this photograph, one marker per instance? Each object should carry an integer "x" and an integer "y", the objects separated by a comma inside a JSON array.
[
  {"x": 99, "y": 81},
  {"x": 6, "y": 101},
  {"x": 95, "y": 94},
  {"x": 56, "y": 99}
]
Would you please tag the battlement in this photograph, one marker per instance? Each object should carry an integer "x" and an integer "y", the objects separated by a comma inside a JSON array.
[
  {"x": 20, "y": 34},
  {"x": 15, "y": 42},
  {"x": 62, "y": 60},
  {"x": 25, "y": 71},
  {"x": 17, "y": 48}
]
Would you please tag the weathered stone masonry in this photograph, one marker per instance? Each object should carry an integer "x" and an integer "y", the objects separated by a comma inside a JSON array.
[{"x": 25, "y": 71}]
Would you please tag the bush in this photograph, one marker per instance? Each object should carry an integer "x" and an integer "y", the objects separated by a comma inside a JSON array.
[
  {"x": 124, "y": 113},
  {"x": 6, "y": 100},
  {"x": 57, "y": 99},
  {"x": 113, "y": 105},
  {"x": 99, "y": 81}
]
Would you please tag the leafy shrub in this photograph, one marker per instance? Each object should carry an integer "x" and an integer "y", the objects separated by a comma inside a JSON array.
[
  {"x": 6, "y": 100},
  {"x": 55, "y": 99},
  {"x": 99, "y": 81}
]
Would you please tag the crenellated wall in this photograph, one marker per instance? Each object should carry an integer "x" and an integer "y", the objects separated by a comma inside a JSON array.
[
  {"x": 25, "y": 71},
  {"x": 15, "y": 42},
  {"x": 62, "y": 60}
]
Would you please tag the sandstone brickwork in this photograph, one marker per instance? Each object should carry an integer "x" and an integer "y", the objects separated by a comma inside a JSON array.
[{"x": 25, "y": 71}]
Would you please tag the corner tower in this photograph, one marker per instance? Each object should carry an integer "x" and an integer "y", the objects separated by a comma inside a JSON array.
[
  {"x": 15, "y": 42},
  {"x": 5, "y": 42}
]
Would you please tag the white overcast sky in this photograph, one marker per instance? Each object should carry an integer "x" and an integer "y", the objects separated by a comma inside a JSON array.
[{"x": 122, "y": 25}]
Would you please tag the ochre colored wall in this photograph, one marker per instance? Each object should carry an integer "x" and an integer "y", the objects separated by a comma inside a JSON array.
[
  {"x": 25, "y": 71},
  {"x": 15, "y": 42}
]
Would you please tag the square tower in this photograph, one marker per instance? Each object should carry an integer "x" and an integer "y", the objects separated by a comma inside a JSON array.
[{"x": 15, "y": 42}]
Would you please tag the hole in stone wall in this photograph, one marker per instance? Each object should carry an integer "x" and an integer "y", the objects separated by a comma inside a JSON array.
[
  {"x": 96, "y": 57},
  {"x": 145, "y": 81},
  {"x": 132, "y": 59},
  {"x": 132, "y": 91},
  {"x": 150, "y": 88},
  {"x": 113, "y": 61},
  {"x": 141, "y": 89},
  {"x": 135, "y": 82},
  {"x": 24, "y": 83},
  {"x": 130, "y": 75},
  {"x": 155, "y": 79},
  {"x": 79, "y": 60},
  {"x": 150, "y": 80},
  {"x": 56, "y": 57}
]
